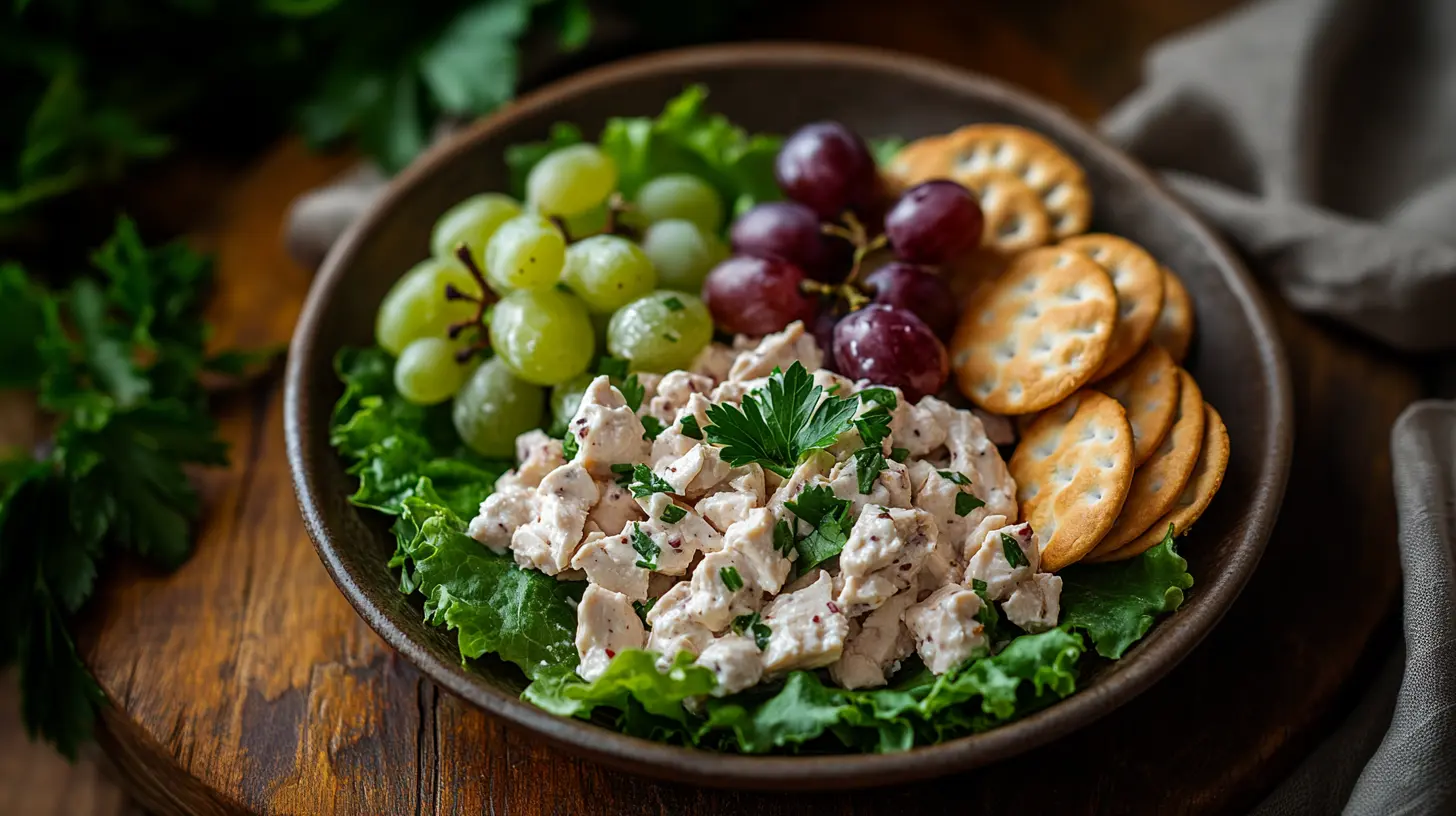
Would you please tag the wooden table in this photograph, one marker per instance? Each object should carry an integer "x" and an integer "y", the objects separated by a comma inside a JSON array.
[{"x": 245, "y": 683}]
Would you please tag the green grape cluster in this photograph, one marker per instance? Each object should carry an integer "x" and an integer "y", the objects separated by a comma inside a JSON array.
[{"x": 571, "y": 273}]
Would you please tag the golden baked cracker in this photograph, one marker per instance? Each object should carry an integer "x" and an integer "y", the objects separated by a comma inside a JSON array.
[
  {"x": 1055, "y": 177},
  {"x": 1157, "y": 483},
  {"x": 1202, "y": 485},
  {"x": 1148, "y": 388},
  {"x": 1173, "y": 329},
  {"x": 1016, "y": 220},
  {"x": 1073, "y": 470},
  {"x": 1139, "y": 283},
  {"x": 1037, "y": 335}
]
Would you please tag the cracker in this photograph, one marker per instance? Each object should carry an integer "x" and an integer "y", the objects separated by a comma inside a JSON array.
[
  {"x": 1037, "y": 335},
  {"x": 1148, "y": 388},
  {"x": 1016, "y": 220},
  {"x": 1173, "y": 329},
  {"x": 1139, "y": 283},
  {"x": 1157, "y": 483},
  {"x": 1197, "y": 494},
  {"x": 1073, "y": 471},
  {"x": 1057, "y": 179}
]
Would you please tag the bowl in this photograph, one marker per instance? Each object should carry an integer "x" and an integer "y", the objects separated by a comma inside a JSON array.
[{"x": 1237, "y": 359}]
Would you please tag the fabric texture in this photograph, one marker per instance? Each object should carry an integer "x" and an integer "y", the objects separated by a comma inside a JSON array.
[{"x": 1320, "y": 137}]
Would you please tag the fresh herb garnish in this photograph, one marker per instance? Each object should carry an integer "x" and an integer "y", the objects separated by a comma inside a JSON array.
[
  {"x": 965, "y": 503},
  {"x": 900, "y": 454},
  {"x": 828, "y": 515},
  {"x": 690, "y": 429},
  {"x": 783, "y": 537},
  {"x": 633, "y": 392},
  {"x": 643, "y": 609},
  {"x": 651, "y": 427},
  {"x": 645, "y": 482},
  {"x": 624, "y": 473},
  {"x": 780, "y": 422},
  {"x": 569, "y": 446},
  {"x": 730, "y": 578},
  {"x": 954, "y": 476},
  {"x": 879, "y": 395},
  {"x": 979, "y": 586},
  {"x": 753, "y": 623},
  {"x": 873, "y": 425},
  {"x": 673, "y": 304},
  {"x": 645, "y": 547},
  {"x": 868, "y": 463},
  {"x": 1014, "y": 554},
  {"x": 614, "y": 368},
  {"x": 672, "y": 514}
]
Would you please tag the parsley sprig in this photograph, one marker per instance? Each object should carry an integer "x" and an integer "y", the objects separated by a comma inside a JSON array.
[
  {"x": 753, "y": 623},
  {"x": 644, "y": 482},
  {"x": 779, "y": 423},
  {"x": 116, "y": 359},
  {"x": 830, "y": 519}
]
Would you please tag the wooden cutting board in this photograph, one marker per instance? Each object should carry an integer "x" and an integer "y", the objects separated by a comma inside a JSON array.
[{"x": 245, "y": 683}]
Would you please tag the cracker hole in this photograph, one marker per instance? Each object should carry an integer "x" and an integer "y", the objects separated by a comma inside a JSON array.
[
  {"x": 1028, "y": 285},
  {"x": 1011, "y": 227},
  {"x": 1015, "y": 391},
  {"x": 1043, "y": 343},
  {"x": 1095, "y": 493},
  {"x": 961, "y": 358},
  {"x": 1105, "y": 462},
  {"x": 1126, "y": 307},
  {"x": 1064, "y": 223},
  {"x": 1108, "y": 434},
  {"x": 984, "y": 389},
  {"x": 1055, "y": 195},
  {"x": 1088, "y": 433}
]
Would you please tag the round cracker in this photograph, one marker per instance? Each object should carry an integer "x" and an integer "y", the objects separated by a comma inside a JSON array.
[
  {"x": 1157, "y": 483},
  {"x": 1037, "y": 334},
  {"x": 1173, "y": 329},
  {"x": 1207, "y": 478},
  {"x": 1148, "y": 388},
  {"x": 1139, "y": 283},
  {"x": 1015, "y": 218},
  {"x": 1055, "y": 177},
  {"x": 1073, "y": 471}
]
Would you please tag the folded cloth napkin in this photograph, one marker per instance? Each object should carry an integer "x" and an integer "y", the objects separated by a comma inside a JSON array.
[{"x": 1320, "y": 136}]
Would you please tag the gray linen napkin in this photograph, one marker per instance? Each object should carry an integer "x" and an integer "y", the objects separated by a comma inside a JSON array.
[{"x": 1320, "y": 136}]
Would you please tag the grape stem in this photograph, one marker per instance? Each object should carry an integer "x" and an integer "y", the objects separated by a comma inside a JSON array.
[
  {"x": 853, "y": 230},
  {"x": 482, "y": 302},
  {"x": 616, "y": 206}
]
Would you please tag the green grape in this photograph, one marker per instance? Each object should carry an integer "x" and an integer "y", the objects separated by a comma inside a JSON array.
[
  {"x": 544, "y": 335},
  {"x": 494, "y": 407},
  {"x": 608, "y": 272},
  {"x": 472, "y": 222},
  {"x": 679, "y": 195},
  {"x": 527, "y": 252},
  {"x": 566, "y": 398},
  {"x": 660, "y": 332},
  {"x": 571, "y": 180},
  {"x": 427, "y": 371},
  {"x": 682, "y": 254},
  {"x": 416, "y": 307}
]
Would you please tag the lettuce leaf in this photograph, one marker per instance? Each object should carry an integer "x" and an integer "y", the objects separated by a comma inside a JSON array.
[
  {"x": 1116, "y": 603},
  {"x": 684, "y": 138},
  {"x": 631, "y": 676}
]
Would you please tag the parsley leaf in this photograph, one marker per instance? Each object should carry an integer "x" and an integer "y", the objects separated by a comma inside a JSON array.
[
  {"x": 730, "y": 578},
  {"x": 643, "y": 608},
  {"x": 783, "y": 540},
  {"x": 873, "y": 425},
  {"x": 690, "y": 429},
  {"x": 672, "y": 514},
  {"x": 868, "y": 463},
  {"x": 569, "y": 446},
  {"x": 900, "y": 454},
  {"x": 624, "y": 473},
  {"x": 651, "y": 427},
  {"x": 1015, "y": 557},
  {"x": 965, "y": 503},
  {"x": 613, "y": 367},
  {"x": 754, "y": 624},
  {"x": 633, "y": 392},
  {"x": 673, "y": 304},
  {"x": 879, "y": 395},
  {"x": 780, "y": 422},
  {"x": 645, "y": 482},
  {"x": 645, "y": 547},
  {"x": 954, "y": 476},
  {"x": 829, "y": 517}
]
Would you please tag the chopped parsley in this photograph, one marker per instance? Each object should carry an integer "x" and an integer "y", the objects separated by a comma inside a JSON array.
[
  {"x": 643, "y": 608},
  {"x": 730, "y": 578},
  {"x": 1014, "y": 555},
  {"x": 954, "y": 476},
  {"x": 784, "y": 537},
  {"x": 614, "y": 367},
  {"x": 673, "y": 304},
  {"x": 645, "y": 547},
  {"x": 966, "y": 502},
  {"x": 900, "y": 454},
  {"x": 828, "y": 514},
  {"x": 569, "y": 446},
  {"x": 868, "y": 463},
  {"x": 633, "y": 393},
  {"x": 645, "y": 482},
  {"x": 881, "y": 396},
  {"x": 690, "y": 429},
  {"x": 624, "y": 473},
  {"x": 874, "y": 423},
  {"x": 779, "y": 423},
  {"x": 753, "y": 623},
  {"x": 672, "y": 514},
  {"x": 651, "y": 427},
  {"x": 979, "y": 586}
]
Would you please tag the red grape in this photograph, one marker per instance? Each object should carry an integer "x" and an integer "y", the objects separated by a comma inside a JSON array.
[
  {"x": 783, "y": 229},
  {"x": 891, "y": 346},
  {"x": 917, "y": 290},
  {"x": 934, "y": 222},
  {"x": 827, "y": 168},
  {"x": 756, "y": 295}
]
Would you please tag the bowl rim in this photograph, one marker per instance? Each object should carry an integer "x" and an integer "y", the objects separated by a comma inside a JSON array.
[{"x": 675, "y": 763}]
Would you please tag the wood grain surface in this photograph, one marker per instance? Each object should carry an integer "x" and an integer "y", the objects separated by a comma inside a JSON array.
[{"x": 245, "y": 683}]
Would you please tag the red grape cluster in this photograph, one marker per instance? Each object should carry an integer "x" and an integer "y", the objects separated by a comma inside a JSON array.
[{"x": 800, "y": 260}]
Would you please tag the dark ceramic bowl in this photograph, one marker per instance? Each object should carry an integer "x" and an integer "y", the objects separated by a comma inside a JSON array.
[{"x": 1237, "y": 359}]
